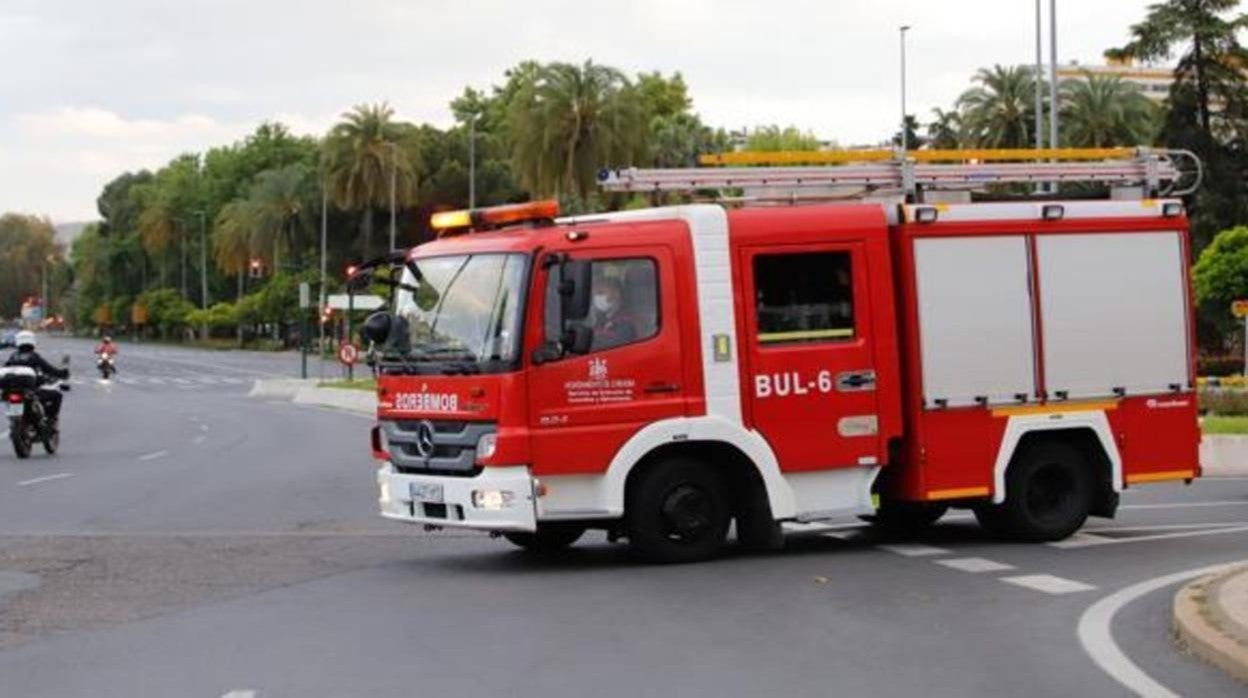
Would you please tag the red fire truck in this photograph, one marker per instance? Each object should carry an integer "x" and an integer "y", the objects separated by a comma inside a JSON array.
[{"x": 666, "y": 373}]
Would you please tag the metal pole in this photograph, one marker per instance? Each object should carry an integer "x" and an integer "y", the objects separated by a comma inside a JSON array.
[
  {"x": 43, "y": 300},
  {"x": 1053, "y": 139},
  {"x": 1038, "y": 78},
  {"x": 904, "y": 139},
  {"x": 472, "y": 162},
  {"x": 350, "y": 310},
  {"x": 324, "y": 236},
  {"x": 203, "y": 268},
  {"x": 394, "y": 170}
]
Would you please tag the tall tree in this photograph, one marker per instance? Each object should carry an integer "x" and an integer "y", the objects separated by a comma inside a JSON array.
[
  {"x": 570, "y": 120},
  {"x": 773, "y": 139},
  {"x": 1104, "y": 110},
  {"x": 998, "y": 111},
  {"x": 944, "y": 132},
  {"x": 26, "y": 244},
  {"x": 360, "y": 155},
  {"x": 279, "y": 197},
  {"x": 914, "y": 141},
  {"x": 1208, "y": 102}
]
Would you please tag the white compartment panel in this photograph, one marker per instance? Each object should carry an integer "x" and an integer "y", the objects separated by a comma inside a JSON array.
[
  {"x": 975, "y": 325},
  {"x": 1114, "y": 312}
]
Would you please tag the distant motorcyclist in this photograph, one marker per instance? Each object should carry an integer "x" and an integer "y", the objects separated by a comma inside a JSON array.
[
  {"x": 106, "y": 346},
  {"x": 28, "y": 357},
  {"x": 106, "y": 351}
]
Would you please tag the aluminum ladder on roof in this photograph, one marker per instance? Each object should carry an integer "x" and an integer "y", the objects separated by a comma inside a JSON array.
[{"x": 1162, "y": 172}]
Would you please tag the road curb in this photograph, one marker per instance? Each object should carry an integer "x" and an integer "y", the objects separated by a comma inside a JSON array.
[
  {"x": 359, "y": 401},
  {"x": 280, "y": 388},
  {"x": 1211, "y": 620},
  {"x": 1224, "y": 455}
]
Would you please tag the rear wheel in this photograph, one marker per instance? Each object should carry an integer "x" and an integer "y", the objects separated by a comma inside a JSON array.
[
  {"x": 1048, "y": 495},
  {"x": 52, "y": 441},
  {"x": 548, "y": 538},
  {"x": 678, "y": 511},
  {"x": 20, "y": 436}
]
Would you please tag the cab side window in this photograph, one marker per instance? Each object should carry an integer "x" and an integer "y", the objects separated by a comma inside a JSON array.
[
  {"x": 804, "y": 297},
  {"x": 625, "y": 303}
]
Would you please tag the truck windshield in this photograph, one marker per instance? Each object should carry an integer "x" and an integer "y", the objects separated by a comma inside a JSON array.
[{"x": 463, "y": 310}]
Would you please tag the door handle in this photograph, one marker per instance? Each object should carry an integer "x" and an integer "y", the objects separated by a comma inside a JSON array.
[
  {"x": 850, "y": 381},
  {"x": 661, "y": 387}
]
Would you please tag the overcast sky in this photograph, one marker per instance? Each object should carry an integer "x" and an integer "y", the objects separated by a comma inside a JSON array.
[{"x": 89, "y": 88}]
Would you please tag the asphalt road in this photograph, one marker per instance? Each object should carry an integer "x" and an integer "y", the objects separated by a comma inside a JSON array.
[{"x": 191, "y": 541}]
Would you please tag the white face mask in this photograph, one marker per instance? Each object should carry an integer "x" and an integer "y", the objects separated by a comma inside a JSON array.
[{"x": 602, "y": 303}]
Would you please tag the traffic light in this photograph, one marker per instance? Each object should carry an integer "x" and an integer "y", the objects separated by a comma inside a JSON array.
[{"x": 351, "y": 269}]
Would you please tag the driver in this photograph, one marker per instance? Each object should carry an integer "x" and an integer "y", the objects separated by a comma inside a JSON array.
[
  {"x": 613, "y": 326},
  {"x": 28, "y": 357},
  {"x": 106, "y": 346}
]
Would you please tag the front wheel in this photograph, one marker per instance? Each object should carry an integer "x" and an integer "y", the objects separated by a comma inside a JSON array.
[
  {"x": 52, "y": 441},
  {"x": 1049, "y": 491},
  {"x": 549, "y": 538},
  {"x": 20, "y": 436},
  {"x": 678, "y": 511}
]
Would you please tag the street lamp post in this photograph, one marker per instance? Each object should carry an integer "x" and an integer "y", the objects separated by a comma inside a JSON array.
[
  {"x": 394, "y": 175},
  {"x": 904, "y": 136},
  {"x": 203, "y": 268},
  {"x": 324, "y": 237},
  {"x": 472, "y": 161},
  {"x": 1053, "y": 140}
]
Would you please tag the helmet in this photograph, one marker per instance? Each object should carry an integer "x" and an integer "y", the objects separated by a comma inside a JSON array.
[
  {"x": 25, "y": 339},
  {"x": 108, "y": 340}
]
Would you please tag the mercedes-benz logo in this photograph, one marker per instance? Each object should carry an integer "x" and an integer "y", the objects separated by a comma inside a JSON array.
[{"x": 424, "y": 438}]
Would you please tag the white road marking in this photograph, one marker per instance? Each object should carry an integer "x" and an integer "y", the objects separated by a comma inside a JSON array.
[
  {"x": 154, "y": 455},
  {"x": 127, "y": 381},
  {"x": 1081, "y": 539},
  {"x": 974, "y": 565},
  {"x": 914, "y": 550},
  {"x": 1048, "y": 583},
  {"x": 1166, "y": 527},
  {"x": 45, "y": 478},
  {"x": 1097, "y": 637},
  {"x": 203, "y": 427},
  {"x": 1188, "y": 505},
  {"x": 155, "y": 381},
  {"x": 200, "y": 439},
  {"x": 181, "y": 381},
  {"x": 240, "y": 693},
  {"x": 1212, "y": 529}
]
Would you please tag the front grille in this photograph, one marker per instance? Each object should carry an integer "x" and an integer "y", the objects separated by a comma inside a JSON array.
[{"x": 454, "y": 448}]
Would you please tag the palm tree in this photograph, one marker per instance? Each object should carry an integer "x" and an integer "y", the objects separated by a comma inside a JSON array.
[
  {"x": 359, "y": 155},
  {"x": 945, "y": 130},
  {"x": 1103, "y": 110},
  {"x": 997, "y": 113},
  {"x": 231, "y": 243},
  {"x": 156, "y": 233},
  {"x": 277, "y": 198},
  {"x": 566, "y": 121}
]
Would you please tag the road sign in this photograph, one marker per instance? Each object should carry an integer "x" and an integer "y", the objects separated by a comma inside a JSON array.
[
  {"x": 1239, "y": 308},
  {"x": 348, "y": 354},
  {"x": 305, "y": 295}
]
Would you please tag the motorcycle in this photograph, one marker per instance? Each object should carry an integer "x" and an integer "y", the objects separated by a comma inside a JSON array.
[
  {"x": 106, "y": 365},
  {"x": 28, "y": 419}
]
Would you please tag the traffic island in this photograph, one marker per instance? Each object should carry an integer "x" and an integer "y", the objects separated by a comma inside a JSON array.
[
  {"x": 310, "y": 392},
  {"x": 1211, "y": 620}
]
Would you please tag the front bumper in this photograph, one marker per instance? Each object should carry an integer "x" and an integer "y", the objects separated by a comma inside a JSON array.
[{"x": 457, "y": 509}]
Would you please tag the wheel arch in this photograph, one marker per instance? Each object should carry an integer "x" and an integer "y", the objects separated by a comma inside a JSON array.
[
  {"x": 1088, "y": 432},
  {"x": 746, "y": 457}
]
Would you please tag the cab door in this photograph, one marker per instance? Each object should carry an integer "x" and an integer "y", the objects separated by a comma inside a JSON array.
[
  {"x": 584, "y": 407},
  {"x": 811, "y": 375}
]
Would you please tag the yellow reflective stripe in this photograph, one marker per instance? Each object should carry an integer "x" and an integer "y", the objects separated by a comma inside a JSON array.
[
  {"x": 1161, "y": 477},
  {"x": 804, "y": 334},
  {"x": 1055, "y": 407},
  {"x": 832, "y": 157},
  {"x": 959, "y": 493}
]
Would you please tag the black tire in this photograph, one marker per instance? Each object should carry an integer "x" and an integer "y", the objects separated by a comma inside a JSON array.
[
  {"x": 1049, "y": 491},
  {"x": 678, "y": 511},
  {"x": 21, "y": 440},
  {"x": 549, "y": 538},
  {"x": 907, "y": 517},
  {"x": 52, "y": 442}
]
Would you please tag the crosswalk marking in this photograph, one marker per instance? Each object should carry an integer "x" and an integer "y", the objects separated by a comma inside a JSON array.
[
  {"x": 974, "y": 565},
  {"x": 1048, "y": 583},
  {"x": 914, "y": 550}
]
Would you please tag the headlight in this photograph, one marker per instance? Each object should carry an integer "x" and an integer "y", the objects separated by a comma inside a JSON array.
[
  {"x": 486, "y": 446},
  {"x": 493, "y": 499}
]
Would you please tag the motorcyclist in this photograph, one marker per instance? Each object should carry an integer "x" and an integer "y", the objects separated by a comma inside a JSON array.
[
  {"x": 106, "y": 348},
  {"x": 28, "y": 357}
]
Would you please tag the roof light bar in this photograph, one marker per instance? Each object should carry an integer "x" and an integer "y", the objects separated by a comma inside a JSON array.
[{"x": 495, "y": 216}]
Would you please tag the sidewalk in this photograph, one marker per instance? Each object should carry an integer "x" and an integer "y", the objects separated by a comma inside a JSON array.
[
  {"x": 1211, "y": 620},
  {"x": 308, "y": 392},
  {"x": 1224, "y": 455}
]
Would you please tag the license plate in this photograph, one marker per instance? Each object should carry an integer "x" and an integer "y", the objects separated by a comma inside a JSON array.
[
  {"x": 14, "y": 409},
  {"x": 426, "y": 492}
]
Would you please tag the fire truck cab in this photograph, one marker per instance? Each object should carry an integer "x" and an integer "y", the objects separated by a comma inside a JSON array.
[{"x": 665, "y": 373}]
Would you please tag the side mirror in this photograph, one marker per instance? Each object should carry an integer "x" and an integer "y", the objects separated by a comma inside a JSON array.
[
  {"x": 577, "y": 339},
  {"x": 376, "y": 328},
  {"x": 574, "y": 290}
]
